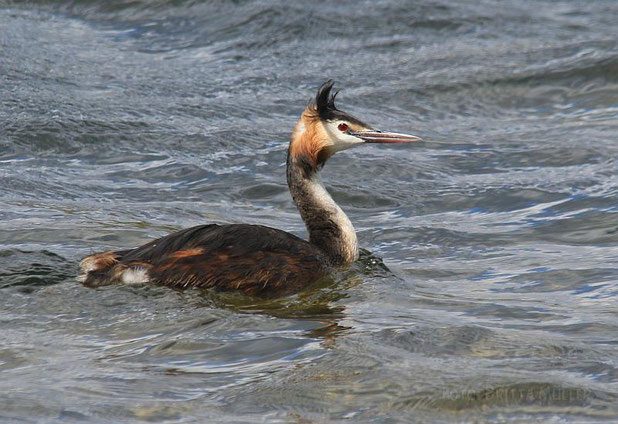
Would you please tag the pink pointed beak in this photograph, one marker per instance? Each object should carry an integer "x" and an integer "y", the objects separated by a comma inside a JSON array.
[{"x": 376, "y": 136}]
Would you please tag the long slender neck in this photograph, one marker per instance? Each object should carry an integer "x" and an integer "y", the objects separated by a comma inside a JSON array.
[{"x": 328, "y": 226}]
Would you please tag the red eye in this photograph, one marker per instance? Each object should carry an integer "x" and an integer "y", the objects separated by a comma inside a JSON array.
[{"x": 343, "y": 127}]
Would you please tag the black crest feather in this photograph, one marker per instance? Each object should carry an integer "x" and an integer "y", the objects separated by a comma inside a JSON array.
[
  {"x": 325, "y": 106},
  {"x": 325, "y": 102}
]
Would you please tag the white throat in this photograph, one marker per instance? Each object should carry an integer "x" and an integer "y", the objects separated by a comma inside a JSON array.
[
  {"x": 328, "y": 226},
  {"x": 324, "y": 201}
]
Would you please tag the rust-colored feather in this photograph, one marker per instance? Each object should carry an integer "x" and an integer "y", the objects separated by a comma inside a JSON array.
[
  {"x": 251, "y": 258},
  {"x": 309, "y": 138}
]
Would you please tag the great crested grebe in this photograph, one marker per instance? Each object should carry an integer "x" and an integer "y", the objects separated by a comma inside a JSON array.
[{"x": 254, "y": 259}]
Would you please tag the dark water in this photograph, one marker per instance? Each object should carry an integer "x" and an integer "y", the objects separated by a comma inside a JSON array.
[{"x": 121, "y": 121}]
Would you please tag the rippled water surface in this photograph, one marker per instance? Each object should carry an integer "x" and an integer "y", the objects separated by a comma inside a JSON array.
[{"x": 497, "y": 297}]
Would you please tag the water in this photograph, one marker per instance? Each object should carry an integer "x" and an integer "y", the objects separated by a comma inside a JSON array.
[{"x": 123, "y": 121}]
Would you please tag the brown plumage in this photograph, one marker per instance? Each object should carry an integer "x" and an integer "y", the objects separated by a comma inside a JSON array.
[{"x": 254, "y": 259}]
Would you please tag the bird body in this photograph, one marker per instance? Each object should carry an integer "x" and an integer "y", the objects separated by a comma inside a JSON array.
[{"x": 255, "y": 259}]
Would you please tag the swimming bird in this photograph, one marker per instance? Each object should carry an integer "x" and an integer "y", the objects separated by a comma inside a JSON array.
[{"x": 256, "y": 259}]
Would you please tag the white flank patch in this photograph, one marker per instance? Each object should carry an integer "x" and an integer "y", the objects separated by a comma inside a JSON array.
[{"x": 135, "y": 276}]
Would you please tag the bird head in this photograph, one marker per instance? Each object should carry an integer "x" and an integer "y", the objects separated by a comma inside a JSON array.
[{"x": 323, "y": 130}]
